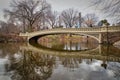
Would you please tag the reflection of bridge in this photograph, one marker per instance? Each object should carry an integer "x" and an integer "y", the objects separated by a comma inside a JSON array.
[
  {"x": 88, "y": 54},
  {"x": 92, "y": 32}
]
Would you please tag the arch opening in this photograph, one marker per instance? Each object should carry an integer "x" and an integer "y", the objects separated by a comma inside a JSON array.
[{"x": 35, "y": 38}]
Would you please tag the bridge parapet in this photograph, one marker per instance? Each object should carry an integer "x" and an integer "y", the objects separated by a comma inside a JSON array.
[
  {"x": 81, "y": 30},
  {"x": 114, "y": 28},
  {"x": 24, "y": 34}
]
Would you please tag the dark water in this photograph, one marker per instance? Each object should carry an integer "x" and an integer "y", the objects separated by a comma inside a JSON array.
[{"x": 27, "y": 62}]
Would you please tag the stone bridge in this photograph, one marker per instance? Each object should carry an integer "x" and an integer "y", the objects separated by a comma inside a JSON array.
[{"x": 95, "y": 32}]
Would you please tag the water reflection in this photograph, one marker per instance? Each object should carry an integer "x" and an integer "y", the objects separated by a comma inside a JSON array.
[
  {"x": 31, "y": 67},
  {"x": 17, "y": 63},
  {"x": 25, "y": 65}
]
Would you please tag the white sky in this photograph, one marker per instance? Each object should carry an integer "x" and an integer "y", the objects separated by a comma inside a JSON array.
[{"x": 59, "y": 5}]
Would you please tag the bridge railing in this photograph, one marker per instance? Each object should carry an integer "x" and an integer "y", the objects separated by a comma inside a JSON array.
[
  {"x": 114, "y": 28},
  {"x": 76, "y": 29}
]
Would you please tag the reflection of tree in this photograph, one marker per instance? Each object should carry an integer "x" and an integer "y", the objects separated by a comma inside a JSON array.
[
  {"x": 70, "y": 62},
  {"x": 115, "y": 68},
  {"x": 89, "y": 61},
  {"x": 51, "y": 43},
  {"x": 9, "y": 48},
  {"x": 109, "y": 50},
  {"x": 32, "y": 66},
  {"x": 104, "y": 65}
]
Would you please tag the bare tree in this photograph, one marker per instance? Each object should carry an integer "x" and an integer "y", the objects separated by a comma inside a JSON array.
[
  {"x": 52, "y": 18},
  {"x": 8, "y": 28},
  {"x": 69, "y": 17},
  {"x": 90, "y": 20},
  {"x": 59, "y": 21},
  {"x": 4, "y": 28},
  {"x": 28, "y": 11},
  {"x": 111, "y": 7}
]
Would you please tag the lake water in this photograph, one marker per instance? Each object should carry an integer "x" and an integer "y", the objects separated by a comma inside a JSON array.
[{"x": 59, "y": 60}]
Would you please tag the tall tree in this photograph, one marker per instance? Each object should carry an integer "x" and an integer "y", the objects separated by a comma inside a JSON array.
[
  {"x": 52, "y": 18},
  {"x": 4, "y": 27},
  {"x": 69, "y": 17},
  {"x": 105, "y": 22},
  {"x": 27, "y": 11},
  {"x": 8, "y": 28},
  {"x": 90, "y": 20}
]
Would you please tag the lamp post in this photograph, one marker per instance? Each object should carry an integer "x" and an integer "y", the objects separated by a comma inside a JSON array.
[
  {"x": 79, "y": 19},
  {"x": 107, "y": 24},
  {"x": 107, "y": 35}
]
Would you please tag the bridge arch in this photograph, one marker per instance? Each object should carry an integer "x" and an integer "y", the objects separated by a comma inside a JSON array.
[{"x": 36, "y": 37}]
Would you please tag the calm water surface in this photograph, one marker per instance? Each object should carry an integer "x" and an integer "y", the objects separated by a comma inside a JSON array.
[{"x": 86, "y": 61}]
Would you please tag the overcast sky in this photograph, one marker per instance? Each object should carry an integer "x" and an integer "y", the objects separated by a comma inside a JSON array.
[{"x": 59, "y": 5}]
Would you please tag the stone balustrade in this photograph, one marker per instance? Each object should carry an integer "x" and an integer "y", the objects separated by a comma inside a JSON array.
[{"x": 80, "y": 30}]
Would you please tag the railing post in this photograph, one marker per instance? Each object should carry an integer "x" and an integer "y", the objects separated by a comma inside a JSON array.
[
  {"x": 100, "y": 49},
  {"x": 107, "y": 35},
  {"x": 100, "y": 38},
  {"x": 28, "y": 38}
]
